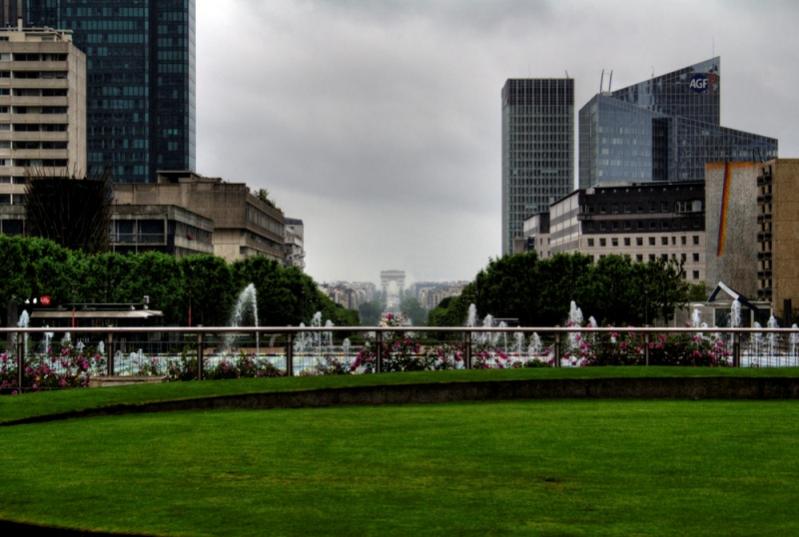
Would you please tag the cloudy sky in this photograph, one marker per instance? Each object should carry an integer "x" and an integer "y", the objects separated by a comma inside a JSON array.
[{"x": 378, "y": 122}]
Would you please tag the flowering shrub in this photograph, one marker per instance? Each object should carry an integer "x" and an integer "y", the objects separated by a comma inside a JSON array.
[
  {"x": 62, "y": 366},
  {"x": 244, "y": 366}
]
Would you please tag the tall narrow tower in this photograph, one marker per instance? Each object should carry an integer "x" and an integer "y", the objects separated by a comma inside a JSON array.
[{"x": 537, "y": 150}]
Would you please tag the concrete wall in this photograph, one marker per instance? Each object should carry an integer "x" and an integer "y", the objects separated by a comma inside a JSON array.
[{"x": 734, "y": 261}]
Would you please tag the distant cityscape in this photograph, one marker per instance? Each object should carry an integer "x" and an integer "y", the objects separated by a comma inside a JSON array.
[{"x": 90, "y": 89}]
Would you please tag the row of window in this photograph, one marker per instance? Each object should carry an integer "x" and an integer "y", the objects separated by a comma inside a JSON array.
[
  {"x": 652, "y": 241},
  {"x": 44, "y": 75},
  {"x": 34, "y": 162},
  {"x": 33, "y": 127}
]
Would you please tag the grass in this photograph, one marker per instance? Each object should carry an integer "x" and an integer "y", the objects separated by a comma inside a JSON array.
[
  {"x": 42, "y": 403},
  {"x": 550, "y": 468}
]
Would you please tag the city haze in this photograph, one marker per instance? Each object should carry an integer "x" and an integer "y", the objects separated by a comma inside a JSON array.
[{"x": 378, "y": 123}]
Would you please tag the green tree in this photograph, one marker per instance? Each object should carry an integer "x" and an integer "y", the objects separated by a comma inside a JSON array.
[
  {"x": 413, "y": 311},
  {"x": 370, "y": 312},
  {"x": 207, "y": 290}
]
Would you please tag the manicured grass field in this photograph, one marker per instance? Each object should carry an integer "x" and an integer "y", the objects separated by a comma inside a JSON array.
[
  {"x": 522, "y": 468},
  {"x": 35, "y": 404}
]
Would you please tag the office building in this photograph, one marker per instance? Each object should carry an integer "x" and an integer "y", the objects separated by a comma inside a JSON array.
[
  {"x": 42, "y": 114},
  {"x": 663, "y": 129},
  {"x": 140, "y": 79},
  {"x": 644, "y": 222},
  {"x": 537, "y": 149},
  {"x": 244, "y": 224}
]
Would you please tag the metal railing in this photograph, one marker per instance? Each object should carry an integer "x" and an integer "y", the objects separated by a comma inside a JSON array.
[{"x": 199, "y": 352}]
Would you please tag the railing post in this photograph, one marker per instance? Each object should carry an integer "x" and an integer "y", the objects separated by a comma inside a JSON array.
[
  {"x": 109, "y": 355},
  {"x": 467, "y": 349},
  {"x": 379, "y": 353},
  {"x": 557, "y": 349},
  {"x": 736, "y": 349},
  {"x": 200, "y": 348},
  {"x": 20, "y": 360},
  {"x": 646, "y": 348},
  {"x": 289, "y": 354}
]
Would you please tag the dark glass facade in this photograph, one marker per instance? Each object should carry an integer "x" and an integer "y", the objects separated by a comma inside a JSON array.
[
  {"x": 140, "y": 80},
  {"x": 664, "y": 129},
  {"x": 537, "y": 150}
]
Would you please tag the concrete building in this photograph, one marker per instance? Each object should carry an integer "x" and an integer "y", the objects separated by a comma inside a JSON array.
[
  {"x": 350, "y": 294},
  {"x": 778, "y": 236},
  {"x": 431, "y": 297},
  {"x": 42, "y": 114},
  {"x": 243, "y": 224},
  {"x": 663, "y": 129},
  {"x": 643, "y": 222},
  {"x": 169, "y": 229},
  {"x": 294, "y": 236},
  {"x": 537, "y": 150},
  {"x": 753, "y": 230},
  {"x": 536, "y": 235}
]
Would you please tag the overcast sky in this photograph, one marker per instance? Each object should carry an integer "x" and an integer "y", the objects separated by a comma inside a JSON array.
[{"x": 378, "y": 122}]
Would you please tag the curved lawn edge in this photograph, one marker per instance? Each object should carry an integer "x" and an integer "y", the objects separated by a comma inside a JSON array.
[
  {"x": 10, "y": 527},
  {"x": 692, "y": 388}
]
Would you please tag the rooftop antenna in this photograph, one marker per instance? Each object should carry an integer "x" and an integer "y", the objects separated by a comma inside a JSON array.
[
  {"x": 601, "y": 81},
  {"x": 610, "y": 82},
  {"x": 653, "y": 71},
  {"x": 567, "y": 73}
]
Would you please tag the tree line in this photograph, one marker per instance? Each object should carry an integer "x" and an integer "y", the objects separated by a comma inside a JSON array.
[
  {"x": 537, "y": 292},
  {"x": 206, "y": 285}
]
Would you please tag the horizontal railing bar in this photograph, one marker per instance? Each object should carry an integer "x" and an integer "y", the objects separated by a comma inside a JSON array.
[{"x": 364, "y": 329}]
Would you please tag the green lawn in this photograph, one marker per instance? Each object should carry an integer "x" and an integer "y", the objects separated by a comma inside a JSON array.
[
  {"x": 35, "y": 404},
  {"x": 546, "y": 468}
]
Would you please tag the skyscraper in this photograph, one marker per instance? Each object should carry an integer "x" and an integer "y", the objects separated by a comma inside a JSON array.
[
  {"x": 140, "y": 79},
  {"x": 537, "y": 150},
  {"x": 663, "y": 129}
]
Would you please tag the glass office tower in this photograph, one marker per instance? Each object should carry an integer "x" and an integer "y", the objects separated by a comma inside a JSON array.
[
  {"x": 140, "y": 80},
  {"x": 537, "y": 150},
  {"x": 664, "y": 129}
]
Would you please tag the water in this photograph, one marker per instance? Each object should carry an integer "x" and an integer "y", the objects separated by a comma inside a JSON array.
[{"x": 247, "y": 302}]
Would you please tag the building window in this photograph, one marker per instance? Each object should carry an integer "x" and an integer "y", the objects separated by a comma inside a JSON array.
[
  {"x": 683, "y": 240},
  {"x": 683, "y": 257},
  {"x": 696, "y": 258},
  {"x": 639, "y": 257},
  {"x": 696, "y": 240},
  {"x": 590, "y": 242},
  {"x": 651, "y": 257},
  {"x": 696, "y": 275},
  {"x": 664, "y": 241},
  {"x": 651, "y": 241},
  {"x": 639, "y": 241},
  {"x": 626, "y": 241},
  {"x": 614, "y": 241},
  {"x": 602, "y": 242}
]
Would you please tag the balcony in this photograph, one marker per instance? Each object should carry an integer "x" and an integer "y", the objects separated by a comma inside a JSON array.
[
  {"x": 35, "y": 136},
  {"x": 142, "y": 239}
]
